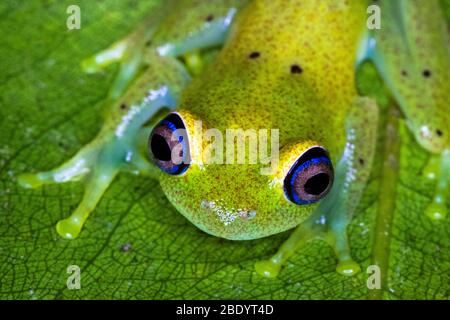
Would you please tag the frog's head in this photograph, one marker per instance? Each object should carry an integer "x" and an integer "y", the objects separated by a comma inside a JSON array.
[{"x": 237, "y": 201}]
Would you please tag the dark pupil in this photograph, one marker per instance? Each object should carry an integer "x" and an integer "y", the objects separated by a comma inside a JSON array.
[
  {"x": 317, "y": 184},
  {"x": 160, "y": 148}
]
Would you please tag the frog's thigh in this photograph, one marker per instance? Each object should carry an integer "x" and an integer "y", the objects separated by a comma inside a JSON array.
[{"x": 333, "y": 214}]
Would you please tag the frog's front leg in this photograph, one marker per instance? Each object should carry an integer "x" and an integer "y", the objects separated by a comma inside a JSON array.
[
  {"x": 118, "y": 145},
  {"x": 330, "y": 219},
  {"x": 154, "y": 47},
  {"x": 129, "y": 51}
]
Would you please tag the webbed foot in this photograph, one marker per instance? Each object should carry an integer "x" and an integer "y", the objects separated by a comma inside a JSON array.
[{"x": 97, "y": 164}]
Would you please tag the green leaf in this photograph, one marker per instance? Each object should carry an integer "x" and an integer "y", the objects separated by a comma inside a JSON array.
[{"x": 135, "y": 245}]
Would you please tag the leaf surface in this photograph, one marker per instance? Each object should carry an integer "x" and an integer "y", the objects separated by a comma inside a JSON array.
[{"x": 135, "y": 245}]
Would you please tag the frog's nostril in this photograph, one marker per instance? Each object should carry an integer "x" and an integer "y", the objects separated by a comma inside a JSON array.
[
  {"x": 317, "y": 184},
  {"x": 160, "y": 148}
]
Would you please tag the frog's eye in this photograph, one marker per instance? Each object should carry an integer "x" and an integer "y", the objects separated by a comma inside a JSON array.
[
  {"x": 168, "y": 145},
  {"x": 310, "y": 178}
]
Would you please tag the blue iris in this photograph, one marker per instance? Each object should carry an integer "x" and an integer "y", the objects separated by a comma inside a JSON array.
[
  {"x": 173, "y": 122},
  {"x": 292, "y": 176}
]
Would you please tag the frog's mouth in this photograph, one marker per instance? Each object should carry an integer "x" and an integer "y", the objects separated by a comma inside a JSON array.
[{"x": 214, "y": 218}]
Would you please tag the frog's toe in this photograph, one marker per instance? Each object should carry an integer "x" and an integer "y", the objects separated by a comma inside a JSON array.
[
  {"x": 128, "y": 52},
  {"x": 128, "y": 71},
  {"x": 268, "y": 268},
  {"x": 30, "y": 180},
  {"x": 338, "y": 239},
  {"x": 91, "y": 65},
  {"x": 130, "y": 62},
  {"x": 431, "y": 170},
  {"x": 194, "y": 62},
  {"x": 437, "y": 209},
  {"x": 104, "y": 58},
  {"x": 305, "y": 232},
  {"x": 438, "y": 168},
  {"x": 68, "y": 228},
  {"x": 72, "y": 170},
  {"x": 348, "y": 267},
  {"x": 96, "y": 186}
]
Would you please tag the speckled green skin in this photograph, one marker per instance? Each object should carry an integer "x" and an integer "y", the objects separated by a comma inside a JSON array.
[
  {"x": 308, "y": 108},
  {"x": 412, "y": 54},
  {"x": 318, "y": 105},
  {"x": 149, "y": 54},
  {"x": 413, "y": 59}
]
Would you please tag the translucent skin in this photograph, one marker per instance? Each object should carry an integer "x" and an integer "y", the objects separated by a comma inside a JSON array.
[
  {"x": 412, "y": 55},
  {"x": 415, "y": 66}
]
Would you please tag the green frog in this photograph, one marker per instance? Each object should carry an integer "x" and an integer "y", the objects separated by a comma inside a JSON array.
[{"x": 287, "y": 66}]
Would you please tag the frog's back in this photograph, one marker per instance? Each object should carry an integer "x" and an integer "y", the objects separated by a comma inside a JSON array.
[{"x": 287, "y": 65}]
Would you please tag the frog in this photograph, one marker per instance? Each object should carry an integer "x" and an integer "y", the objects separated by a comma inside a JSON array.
[{"x": 288, "y": 66}]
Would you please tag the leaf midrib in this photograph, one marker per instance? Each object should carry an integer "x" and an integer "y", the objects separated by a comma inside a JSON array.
[{"x": 386, "y": 199}]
